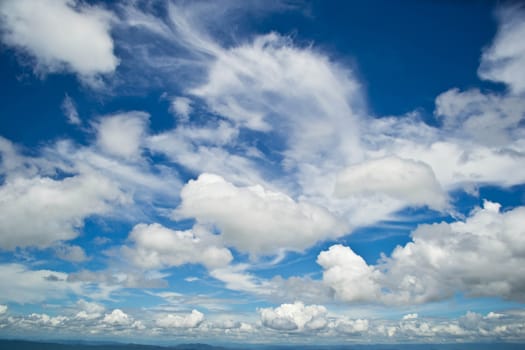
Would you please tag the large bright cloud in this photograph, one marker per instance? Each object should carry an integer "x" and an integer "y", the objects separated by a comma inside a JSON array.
[
  {"x": 481, "y": 256},
  {"x": 294, "y": 317},
  {"x": 40, "y": 211},
  {"x": 37, "y": 27},
  {"x": 411, "y": 182},
  {"x": 155, "y": 246},
  {"x": 256, "y": 220}
]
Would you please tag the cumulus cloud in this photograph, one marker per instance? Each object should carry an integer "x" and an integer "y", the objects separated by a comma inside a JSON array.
[
  {"x": 504, "y": 59},
  {"x": 294, "y": 317},
  {"x": 3, "y": 309},
  {"x": 41, "y": 211},
  {"x": 37, "y": 28},
  {"x": 117, "y": 317},
  {"x": 192, "y": 320},
  {"x": 155, "y": 246},
  {"x": 351, "y": 327},
  {"x": 348, "y": 274},
  {"x": 481, "y": 256},
  {"x": 256, "y": 220},
  {"x": 411, "y": 182},
  {"x": 89, "y": 310},
  {"x": 122, "y": 134}
]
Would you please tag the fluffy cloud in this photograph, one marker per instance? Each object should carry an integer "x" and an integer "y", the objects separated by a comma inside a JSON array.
[
  {"x": 504, "y": 59},
  {"x": 155, "y": 246},
  {"x": 3, "y": 309},
  {"x": 294, "y": 317},
  {"x": 71, "y": 253},
  {"x": 254, "y": 219},
  {"x": 352, "y": 327},
  {"x": 89, "y": 310},
  {"x": 411, "y": 182},
  {"x": 40, "y": 211},
  {"x": 348, "y": 274},
  {"x": 122, "y": 134},
  {"x": 37, "y": 27},
  {"x": 481, "y": 256},
  {"x": 192, "y": 320},
  {"x": 117, "y": 317}
]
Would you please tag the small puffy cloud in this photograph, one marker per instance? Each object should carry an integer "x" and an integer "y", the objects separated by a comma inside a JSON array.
[
  {"x": 504, "y": 60},
  {"x": 3, "y": 309},
  {"x": 70, "y": 111},
  {"x": 41, "y": 211},
  {"x": 73, "y": 253},
  {"x": 348, "y": 274},
  {"x": 256, "y": 220},
  {"x": 192, "y": 320},
  {"x": 412, "y": 182},
  {"x": 155, "y": 246},
  {"x": 181, "y": 106},
  {"x": 410, "y": 316},
  {"x": 117, "y": 317},
  {"x": 122, "y": 134},
  {"x": 89, "y": 310},
  {"x": 352, "y": 327},
  {"x": 294, "y": 317},
  {"x": 37, "y": 28}
]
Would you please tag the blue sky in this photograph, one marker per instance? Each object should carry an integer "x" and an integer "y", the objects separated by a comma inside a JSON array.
[{"x": 262, "y": 172}]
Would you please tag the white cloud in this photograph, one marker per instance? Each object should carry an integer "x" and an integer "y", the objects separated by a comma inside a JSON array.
[
  {"x": 485, "y": 118},
  {"x": 181, "y": 106},
  {"x": 192, "y": 320},
  {"x": 352, "y": 327},
  {"x": 410, "y": 316},
  {"x": 3, "y": 309},
  {"x": 411, "y": 182},
  {"x": 73, "y": 253},
  {"x": 155, "y": 246},
  {"x": 21, "y": 285},
  {"x": 348, "y": 274},
  {"x": 294, "y": 317},
  {"x": 504, "y": 60},
  {"x": 89, "y": 310},
  {"x": 117, "y": 317},
  {"x": 41, "y": 211},
  {"x": 44, "y": 320},
  {"x": 70, "y": 111},
  {"x": 37, "y": 27},
  {"x": 122, "y": 134},
  {"x": 256, "y": 220},
  {"x": 481, "y": 256}
]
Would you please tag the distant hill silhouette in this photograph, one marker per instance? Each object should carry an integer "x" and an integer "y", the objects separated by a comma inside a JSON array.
[{"x": 72, "y": 345}]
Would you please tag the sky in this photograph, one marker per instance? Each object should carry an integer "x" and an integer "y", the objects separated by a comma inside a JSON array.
[{"x": 320, "y": 172}]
